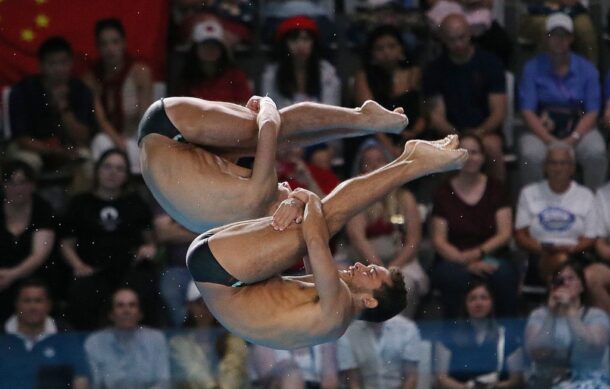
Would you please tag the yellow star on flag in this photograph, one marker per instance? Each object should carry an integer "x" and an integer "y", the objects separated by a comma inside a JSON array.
[
  {"x": 42, "y": 21},
  {"x": 27, "y": 35}
]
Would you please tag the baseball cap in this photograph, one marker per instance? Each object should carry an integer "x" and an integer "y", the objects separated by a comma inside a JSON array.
[
  {"x": 192, "y": 294},
  {"x": 207, "y": 30},
  {"x": 559, "y": 20},
  {"x": 296, "y": 23}
]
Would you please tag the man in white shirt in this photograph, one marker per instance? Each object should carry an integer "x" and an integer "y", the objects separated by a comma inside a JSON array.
[{"x": 380, "y": 355}]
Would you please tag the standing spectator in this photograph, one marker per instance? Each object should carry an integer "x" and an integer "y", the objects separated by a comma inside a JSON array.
[
  {"x": 380, "y": 355},
  {"x": 207, "y": 356},
  {"x": 566, "y": 339},
  {"x": 468, "y": 354},
  {"x": 598, "y": 274},
  {"x": 123, "y": 88},
  {"x": 51, "y": 114},
  {"x": 27, "y": 233},
  {"x": 376, "y": 237},
  {"x": 127, "y": 355},
  {"x": 34, "y": 353},
  {"x": 471, "y": 227},
  {"x": 106, "y": 239},
  {"x": 175, "y": 277},
  {"x": 391, "y": 79},
  {"x": 465, "y": 89},
  {"x": 559, "y": 97},
  {"x": 556, "y": 217},
  {"x": 299, "y": 72},
  {"x": 209, "y": 72}
]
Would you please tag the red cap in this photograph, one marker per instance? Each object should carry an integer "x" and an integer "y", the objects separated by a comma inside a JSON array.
[{"x": 296, "y": 23}]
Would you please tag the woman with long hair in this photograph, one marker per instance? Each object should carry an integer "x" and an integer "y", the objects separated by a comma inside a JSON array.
[
  {"x": 567, "y": 339},
  {"x": 478, "y": 352},
  {"x": 299, "y": 72}
]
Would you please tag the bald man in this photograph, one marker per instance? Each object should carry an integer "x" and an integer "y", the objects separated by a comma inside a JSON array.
[{"x": 466, "y": 89}]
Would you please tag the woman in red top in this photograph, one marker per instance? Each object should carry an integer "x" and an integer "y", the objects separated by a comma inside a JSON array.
[{"x": 209, "y": 72}]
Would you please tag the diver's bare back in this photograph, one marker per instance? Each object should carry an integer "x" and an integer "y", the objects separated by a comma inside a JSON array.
[{"x": 281, "y": 312}]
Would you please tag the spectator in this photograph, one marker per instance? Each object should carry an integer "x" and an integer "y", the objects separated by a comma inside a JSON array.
[
  {"x": 465, "y": 90},
  {"x": 391, "y": 79},
  {"x": 27, "y": 233},
  {"x": 123, "y": 87},
  {"x": 598, "y": 274},
  {"x": 586, "y": 38},
  {"x": 471, "y": 227},
  {"x": 272, "y": 369},
  {"x": 127, "y": 355},
  {"x": 51, "y": 114},
  {"x": 175, "y": 277},
  {"x": 299, "y": 72},
  {"x": 380, "y": 355},
  {"x": 556, "y": 217},
  {"x": 389, "y": 232},
  {"x": 559, "y": 97},
  {"x": 209, "y": 72},
  {"x": 292, "y": 168},
  {"x": 207, "y": 356},
  {"x": 106, "y": 239},
  {"x": 319, "y": 159},
  {"x": 34, "y": 352},
  {"x": 606, "y": 118},
  {"x": 567, "y": 339},
  {"x": 468, "y": 354},
  {"x": 316, "y": 365}
]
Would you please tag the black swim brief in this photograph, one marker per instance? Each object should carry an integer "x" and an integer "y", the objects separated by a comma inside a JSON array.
[
  {"x": 155, "y": 121},
  {"x": 204, "y": 267}
]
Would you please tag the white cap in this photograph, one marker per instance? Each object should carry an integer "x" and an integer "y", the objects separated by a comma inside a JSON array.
[
  {"x": 192, "y": 294},
  {"x": 207, "y": 30},
  {"x": 559, "y": 20}
]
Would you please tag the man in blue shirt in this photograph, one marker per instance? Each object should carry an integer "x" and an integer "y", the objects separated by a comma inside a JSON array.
[
  {"x": 33, "y": 353},
  {"x": 465, "y": 91},
  {"x": 559, "y": 97}
]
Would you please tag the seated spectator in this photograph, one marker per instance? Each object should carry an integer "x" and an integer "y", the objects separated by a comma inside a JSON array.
[
  {"x": 27, "y": 232},
  {"x": 567, "y": 339},
  {"x": 206, "y": 355},
  {"x": 273, "y": 369},
  {"x": 471, "y": 227},
  {"x": 299, "y": 73},
  {"x": 123, "y": 88},
  {"x": 127, "y": 354},
  {"x": 391, "y": 79},
  {"x": 598, "y": 274},
  {"x": 380, "y": 355},
  {"x": 389, "y": 232},
  {"x": 175, "y": 277},
  {"x": 467, "y": 355},
  {"x": 34, "y": 352},
  {"x": 293, "y": 170},
  {"x": 559, "y": 97},
  {"x": 487, "y": 33},
  {"x": 466, "y": 91},
  {"x": 52, "y": 114},
  {"x": 317, "y": 365},
  {"x": 106, "y": 239},
  {"x": 209, "y": 72},
  {"x": 274, "y": 12},
  {"x": 606, "y": 118},
  {"x": 532, "y": 30},
  {"x": 319, "y": 159},
  {"x": 556, "y": 217}
]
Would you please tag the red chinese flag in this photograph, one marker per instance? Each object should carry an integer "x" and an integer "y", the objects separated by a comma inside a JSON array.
[{"x": 25, "y": 24}]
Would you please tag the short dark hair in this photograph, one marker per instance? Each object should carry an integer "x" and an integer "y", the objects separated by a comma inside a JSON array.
[
  {"x": 13, "y": 166},
  {"x": 55, "y": 44},
  {"x": 112, "y": 23},
  {"x": 105, "y": 155},
  {"x": 391, "y": 299},
  {"x": 33, "y": 283}
]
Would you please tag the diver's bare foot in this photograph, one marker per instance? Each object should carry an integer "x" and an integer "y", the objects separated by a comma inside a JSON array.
[
  {"x": 435, "y": 156},
  {"x": 379, "y": 119}
]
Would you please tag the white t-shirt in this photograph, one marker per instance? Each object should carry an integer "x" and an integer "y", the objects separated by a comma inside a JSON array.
[
  {"x": 602, "y": 205},
  {"x": 380, "y": 359},
  {"x": 557, "y": 218}
]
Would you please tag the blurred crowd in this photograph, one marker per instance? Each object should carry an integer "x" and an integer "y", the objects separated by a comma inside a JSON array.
[{"x": 506, "y": 262}]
